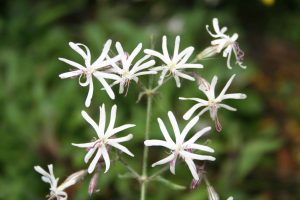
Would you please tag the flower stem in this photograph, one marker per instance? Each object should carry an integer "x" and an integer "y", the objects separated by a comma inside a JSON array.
[{"x": 145, "y": 154}]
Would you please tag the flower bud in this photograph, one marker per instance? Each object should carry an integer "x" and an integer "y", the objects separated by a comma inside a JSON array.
[
  {"x": 93, "y": 183},
  {"x": 208, "y": 52}
]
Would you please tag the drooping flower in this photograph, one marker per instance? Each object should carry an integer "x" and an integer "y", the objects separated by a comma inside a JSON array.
[
  {"x": 105, "y": 138},
  {"x": 128, "y": 71},
  {"x": 88, "y": 70},
  {"x": 212, "y": 103},
  {"x": 174, "y": 64},
  {"x": 57, "y": 191},
  {"x": 226, "y": 42},
  {"x": 181, "y": 148}
]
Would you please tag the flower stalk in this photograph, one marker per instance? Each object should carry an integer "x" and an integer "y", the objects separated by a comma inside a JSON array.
[{"x": 143, "y": 178}]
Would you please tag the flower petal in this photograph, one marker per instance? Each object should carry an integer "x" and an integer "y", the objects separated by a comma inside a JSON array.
[
  {"x": 93, "y": 164},
  {"x": 159, "y": 143},
  {"x": 165, "y": 131},
  {"x": 164, "y": 161},
  {"x": 198, "y": 135}
]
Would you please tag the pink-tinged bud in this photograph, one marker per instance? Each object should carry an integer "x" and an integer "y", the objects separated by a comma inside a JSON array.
[
  {"x": 93, "y": 183},
  {"x": 195, "y": 183},
  {"x": 218, "y": 124}
]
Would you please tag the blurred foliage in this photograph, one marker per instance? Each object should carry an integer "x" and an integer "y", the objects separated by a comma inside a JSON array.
[{"x": 258, "y": 152}]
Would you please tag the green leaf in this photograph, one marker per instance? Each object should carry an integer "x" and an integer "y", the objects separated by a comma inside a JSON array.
[{"x": 253, "y": 152}]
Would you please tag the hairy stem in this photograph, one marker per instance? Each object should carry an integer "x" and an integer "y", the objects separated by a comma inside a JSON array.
[{"x": 145, "y": 154}]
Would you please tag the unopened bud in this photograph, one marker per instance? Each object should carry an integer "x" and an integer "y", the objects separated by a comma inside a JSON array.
[
  {"x": 93, "y": 184},
  {"x": 208, "y": 52},
  {"x": 74, "y": 178}
]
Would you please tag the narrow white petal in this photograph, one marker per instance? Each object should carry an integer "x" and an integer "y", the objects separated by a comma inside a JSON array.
[
  {"x": 72, "y": 63},
  {"x": 118, "y": 129},
  {"x": 144, "y": 73},
  {"x": 234, "y": 37},
  {"x": 91, "y": 122},
  {"x": 191, "y": 66},
  {"x": 164, "y": 161},
  {"x": 103, "y": 53},
  {"x": 119, "y": 48},
  {"x": 226, "y": 86},
  {"x": 200, "y": 147},
  {"x": 41, "y": 171},
  {"x": 134, "y": 53},
  {"x": 102, "y": 119},
  {"x": 112, "y": 121},
  {"x": 106, "y": 158},
  {"x": 93, "y": 164},
  {"x": 188, "y": 127},
  {"x": 211, "y": 91},
  {"x": 228, "y": 60},
  {"x": 106, "y": 75},
  {"x": 84, "y": 145},
  {"x": 159, "y": 143},
  {"x": 159, "y": 68},
  {"x": 227, "y": 107},
  {"x": 194, "y": 156},
  {"x": 89, "y": 154},
  {"x": 121, "y": 148},
  {"x": 177, "y": 80},
  {"x": 216, "y": 25},
  {"x": 143, "y": 66},
  {"x": 106, "y": 87},
  {"x": 90, "y": 92},
  {"x": 203, "y": 111},
  {"x": 186, "y": 53},
  {"x": 86, "y": 55},
  {"x": 162, "y": 76},
  {"x": 174, "y": 125},
  {"x": 121, "y": 139},
  {"x": 138, "y": 63},
  {"x": 186, "y": 56},
  {"x": 176, "y": 46},
  {"x": 198, "y": 135},
  {"x": 157, "y": 54},
  {"x": 165, "y": 48},
  {"x": 190, "y": 163},
  {"x": 234, "y": 96},
  {"x": 165, "y": 131},
  {"x": 70, "y": 74},
  {"x": 185, "y": 76},
  {"x": 194, "y": 99},
  {"x": 191, "y": 111}
]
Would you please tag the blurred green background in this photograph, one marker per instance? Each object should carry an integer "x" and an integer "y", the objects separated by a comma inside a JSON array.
[{"x": 258, "y": 151}]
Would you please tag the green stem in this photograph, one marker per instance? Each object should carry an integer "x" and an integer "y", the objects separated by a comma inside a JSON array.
[{"x": 145, "y": 154}]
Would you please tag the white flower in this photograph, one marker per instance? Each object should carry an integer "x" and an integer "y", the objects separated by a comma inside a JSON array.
[
  {"x": 55, "y": 190},
  {"x": 88, "y": 70},
  {"x": 227, "y": 43},
  {"x": 105, "y": 138},
  {"x": 212, "y": 103},
  {"x": 180, "y": 147},
  {"x": 125, "y": 73},
  {"x": 175, "y": 64}
]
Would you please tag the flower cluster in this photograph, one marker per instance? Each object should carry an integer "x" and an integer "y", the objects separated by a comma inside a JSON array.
[{"x": 120, "y": 70}]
